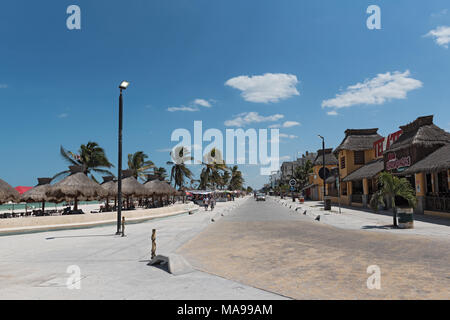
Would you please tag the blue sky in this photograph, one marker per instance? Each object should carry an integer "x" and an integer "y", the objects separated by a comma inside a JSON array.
[{"x": 59, "y": 86}]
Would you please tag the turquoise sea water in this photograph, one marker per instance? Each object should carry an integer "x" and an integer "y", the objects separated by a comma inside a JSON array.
[{"x": 38, "y": 205}]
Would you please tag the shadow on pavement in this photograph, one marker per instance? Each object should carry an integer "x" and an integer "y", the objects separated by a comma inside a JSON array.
[{"x": 86, "y": 236}]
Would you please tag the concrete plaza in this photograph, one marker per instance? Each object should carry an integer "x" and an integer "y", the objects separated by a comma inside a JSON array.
[{"x": 34, "y": 266}]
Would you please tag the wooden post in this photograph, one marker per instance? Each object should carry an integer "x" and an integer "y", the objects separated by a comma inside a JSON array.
[
  {"x": 123, "y": 226},
  {"x": 153, "y": 243}
]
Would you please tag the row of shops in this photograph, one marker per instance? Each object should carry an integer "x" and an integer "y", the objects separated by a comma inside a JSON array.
[{"x": 419, "y": 152}]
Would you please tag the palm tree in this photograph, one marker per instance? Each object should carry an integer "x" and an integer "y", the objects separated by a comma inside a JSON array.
[
  {"x": 139, "y": 165},
  {"x": 391, "y": 187},
  {"x": 237, "y": 180},
  {"x": 179, "y": 170},
  {"x": 302, "y": 173},
  {"x": 204, "y": 180},
  {"x": 160, "y": 173},
  {"x": 214, "y": 164},
  {"x": 91, "y": 157},
  {"x": 225, "y": 179}
]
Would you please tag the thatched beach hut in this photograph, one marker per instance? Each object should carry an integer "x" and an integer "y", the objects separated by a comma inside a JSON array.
[
  {"x": 38, "y": 193},
  {"x": 76, "y": 186},
  {"x": 110, "y": 187},
  {"x": 131, "y": 187},
  {"x": 159, "y": 188},
  {"x": 8, "y": 193}
]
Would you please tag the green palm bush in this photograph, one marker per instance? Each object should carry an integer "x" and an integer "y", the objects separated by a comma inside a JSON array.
[{"x": 390, "y": 187}]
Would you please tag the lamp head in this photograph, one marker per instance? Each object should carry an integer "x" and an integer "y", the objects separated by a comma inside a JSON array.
[{"x": 124, "y": 85}]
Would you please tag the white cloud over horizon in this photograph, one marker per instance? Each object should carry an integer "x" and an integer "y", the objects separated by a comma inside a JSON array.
[
  {"x": 182, "y": 108},
  {"x": 270, "y": 87},
  {"x": 332, "y": 113},
  {"x": 384, "y": 87},
  {"x": 286, "y": 124},
  {"x": 441, "y": 36},
  {"x": 202, "y": 103},
  {"x": 246, "y": 118}
]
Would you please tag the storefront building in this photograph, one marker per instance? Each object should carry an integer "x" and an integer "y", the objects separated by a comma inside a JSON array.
[
  {"x": 419, "y": 152},
  {"x": 316, "y": 182},
  {"x": 422, "y": 155},
  {"x": 354, "y": 152}
]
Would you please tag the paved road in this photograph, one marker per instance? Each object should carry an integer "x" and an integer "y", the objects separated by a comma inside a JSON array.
[
  {"x": 33, "y": 266},
  {"x": 268, "y": 246}
]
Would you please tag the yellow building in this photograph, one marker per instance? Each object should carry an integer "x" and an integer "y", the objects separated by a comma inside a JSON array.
[
  {"x": 354, "y": 152},
  {"x": 317, "y": 183}
]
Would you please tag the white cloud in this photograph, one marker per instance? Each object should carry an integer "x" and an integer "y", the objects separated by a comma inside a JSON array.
[
  {"x": 202, "y": 103},
  {"x": 441, "y": 35},
  {"x": 3, "y": 86},
  {"x": 288, "y": 136},
  {"x": 182, "y": 108},
  {"x": 332, "y": 113},
  {"x": 382, "y": 88},
  {"x": 246, "y": 118},
  {"x": 63, "y": 115},
  {"x": 164, "y": 150},
  {"x": 270, "y": 87},
  {"x": 287, "y": 124}
]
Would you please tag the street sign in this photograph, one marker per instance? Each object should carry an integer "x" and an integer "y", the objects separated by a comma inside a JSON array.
[
  {"x": 292, "y": 188},
  {"x": 292, "y": 182},
  {"x": 321, "y": 173}
]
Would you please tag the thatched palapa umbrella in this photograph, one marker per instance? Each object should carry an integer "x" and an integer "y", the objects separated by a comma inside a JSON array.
[
  {"x": 110, "y": 186},
  {"x": 8, "y": 193},
  {"x": 38, "y": 193},
  {"x": 77, "y": 186},
  {"x": 159, "y": 188},
  {"x": 131, "y": 187}
]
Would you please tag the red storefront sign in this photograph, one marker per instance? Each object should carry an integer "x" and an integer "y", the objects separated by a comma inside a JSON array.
[
  {"x": 384, "y": 143},
  {"x": 396, "y": 164}
]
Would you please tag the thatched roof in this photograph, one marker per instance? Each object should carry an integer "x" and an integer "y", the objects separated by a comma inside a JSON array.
[
  {"x": 370, "y": 170},
  {"x": 159, "y": 187},
  {"x": 110, "y": 186},
  {"x": 330, "y": 158},
  {"x": 421, "y": 132},
  {"x": 7, "y": 193},
  {"x": 38, "y": 193},
  {"x": 358, "y": 139},
  {"x": 77, "y": 185},
  {"x": 131, "y": 187},
  {"x": 435, "y": 162}
]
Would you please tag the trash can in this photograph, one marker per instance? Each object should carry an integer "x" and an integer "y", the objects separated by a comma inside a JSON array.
[
  {"x": 405, "y": 218},
  {"x": 327, "y": 202},
  {"x": 301, "y": 199}
]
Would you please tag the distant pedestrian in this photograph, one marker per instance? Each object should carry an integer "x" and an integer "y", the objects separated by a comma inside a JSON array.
[{"x": 205, "y": 203}]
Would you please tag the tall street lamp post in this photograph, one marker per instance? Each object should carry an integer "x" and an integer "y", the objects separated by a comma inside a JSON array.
[
  {"x": 323, "y": 160},
  {"x": 123, "y": 86}
]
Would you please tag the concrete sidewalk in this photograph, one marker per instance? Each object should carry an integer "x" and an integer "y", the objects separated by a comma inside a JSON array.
[
  {"x": 35, "y": 266},
  {"x": 365, "y": 219}
]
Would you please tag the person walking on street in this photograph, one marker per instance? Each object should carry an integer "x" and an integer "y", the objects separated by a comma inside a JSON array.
[
  {"x": 212, "y": 203},
  {"x": 205, "y": 203}
]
